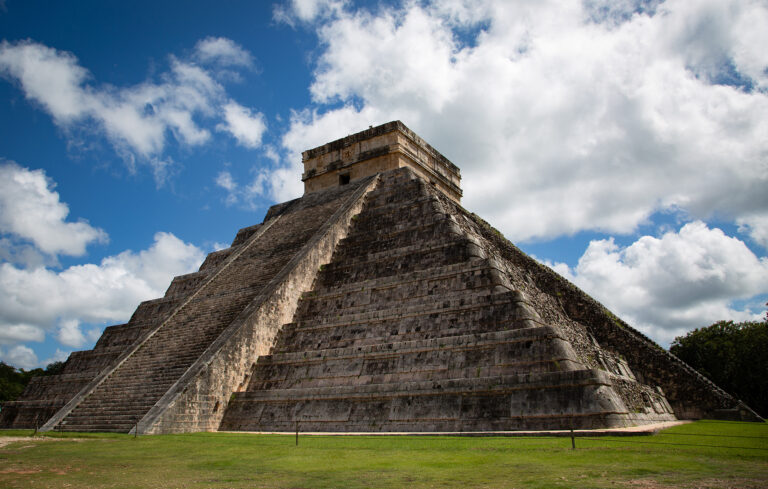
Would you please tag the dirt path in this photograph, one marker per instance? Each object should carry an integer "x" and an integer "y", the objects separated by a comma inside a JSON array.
[{"x": 5, "y": 440}]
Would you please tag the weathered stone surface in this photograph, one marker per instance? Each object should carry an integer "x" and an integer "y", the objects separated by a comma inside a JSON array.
[
  {"x": 379, "y": 149},
  {"x": 413, "y": 326},
  {"x": 373, "y": 304}
]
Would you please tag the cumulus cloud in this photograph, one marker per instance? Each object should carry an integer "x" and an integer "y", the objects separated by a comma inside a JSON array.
[
  {"x": 245, "y": 126},
  {"x": 671, "y": 284},
  {"x": 71, "y": 334},
  {"x": 308, "y": 10},
  {"x": 20, "y": 356},
  {"x": 41, "y": 299},
  {"x": 243, "y": 195},
  {"x": 50, "y": 78},
  {"x": 563, "y": 117},
  {"x": 30, "y": 210},
  {"x": 37, "y": 297},
  {"x": 224, "y": 180},
  {"x": 11, "y": 334},
  {"x": 756, "y": 225},
  {"x": 135, "y": 119},
  {"x": 222, "y": 51}
]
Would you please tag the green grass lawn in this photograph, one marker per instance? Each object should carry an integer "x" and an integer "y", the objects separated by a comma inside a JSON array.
[{"x": 697, "y": 455}]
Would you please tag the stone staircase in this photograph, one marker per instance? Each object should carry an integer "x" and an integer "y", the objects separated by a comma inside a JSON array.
[
  {"x": 227, "y": 282},
  {"x": 411, "y": 327},
  {"x": 44, "y": 396}
]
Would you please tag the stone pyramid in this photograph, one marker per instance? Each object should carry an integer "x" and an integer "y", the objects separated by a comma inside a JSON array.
[{"x": 373, "y": 303}]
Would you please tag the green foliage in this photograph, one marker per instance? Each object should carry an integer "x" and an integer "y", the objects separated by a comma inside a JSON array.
[
  {"x": 733, "y": 356},
  {"x": 13, "y": 380}
]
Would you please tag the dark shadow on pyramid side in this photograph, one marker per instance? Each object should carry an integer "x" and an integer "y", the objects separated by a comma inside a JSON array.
[{"x": 373, "y": 303}]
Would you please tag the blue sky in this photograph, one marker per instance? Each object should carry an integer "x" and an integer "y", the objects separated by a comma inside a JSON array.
[{"x": 623, "y": 142}]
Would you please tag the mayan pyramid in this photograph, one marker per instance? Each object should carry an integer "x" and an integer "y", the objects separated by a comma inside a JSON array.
[{"x": 375, "y": 302}]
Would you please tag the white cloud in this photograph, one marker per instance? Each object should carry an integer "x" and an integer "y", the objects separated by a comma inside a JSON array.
[
  {"x": 31, "y": 210},
  {"x": 49, "y": 77},
  {"x": 219, "y": 246},
  {"x": 245, "y": 195},
  {"x": 563, "y": 117},
  {"x": 756, "y": 225},
  {"x": 11, "y": 334},
  {"x": 669, "y": 285},
  {"x": 245, "y": 126},
  {"x": 222, "y": 51},
  {"x": 136, "y": 119},
  {"x": 58, "y": 356},
  {"x": 70, "y": 334},
  {"x": 40, "y": 299},
  {"x": 20, "y": 356},
  {"x": 308, "y": 10},
  {"x": 225, "y": 181}
]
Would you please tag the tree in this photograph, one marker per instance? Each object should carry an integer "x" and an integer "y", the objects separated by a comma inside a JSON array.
[
  {"x": 733, "y": 356},
  {"x": 13, "y": 381}
]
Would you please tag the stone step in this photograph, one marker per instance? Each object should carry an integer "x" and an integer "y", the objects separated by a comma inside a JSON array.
[
  {"x": 408, "y": 296},
  {"x": 399, "y": 211},
  {"x": 377, "y": 247},
  {"x": 160, "y": 359},
  {"x": 136, "y": 407},
  {"x": 434, "y": 273},
  {"x": 154, "y": 311},
  {"x": 399, "y": 261},
  {"x": 127, "y": 397},
  {"x": 361, "y": 335},
  {"x": 105, "y": 416},
  {"x": 493, "y": 384},
  {"x": 216, "y": 258},
  {"x": 128, "y": 406},
  {"x": 389, "y": 192},
  {"x": 491, "y": 403},
  {"x": 244, "y": 234},
  {"x": 424, "y": 307},
  {"x": 364, "y": 226},
  {"x": 146, "y": 385},
  {"x": 412, "y": 328},
  {"x": 459, "y": 342},
  {"x": 183, "y": 285},
  {"x": 468, "y": 356}
]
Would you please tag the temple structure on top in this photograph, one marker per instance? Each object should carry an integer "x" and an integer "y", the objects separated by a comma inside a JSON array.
[
  {"x": 379, "y": 149},
  {"x": 374, "y": 302}
]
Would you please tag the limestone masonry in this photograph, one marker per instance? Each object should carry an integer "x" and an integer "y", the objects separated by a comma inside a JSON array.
[{"x": 375, "y": 302}]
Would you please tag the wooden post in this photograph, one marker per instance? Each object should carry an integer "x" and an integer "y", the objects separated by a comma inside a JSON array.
[
  {"x": 573, "y": 438},
  {"x": 297, "y": 432}
]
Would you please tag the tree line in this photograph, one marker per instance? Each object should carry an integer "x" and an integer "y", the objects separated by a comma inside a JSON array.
[{"x": 732, "y": 355}]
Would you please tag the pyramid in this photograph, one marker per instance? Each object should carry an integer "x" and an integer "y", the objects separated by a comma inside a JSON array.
[{"x": 375, "y": 302}]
